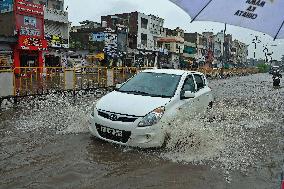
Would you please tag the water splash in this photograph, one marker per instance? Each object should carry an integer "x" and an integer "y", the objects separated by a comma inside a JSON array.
[
  {"x": 226, "y": 136},
  {"x": 59, "y": 113},
  {"x": 241, "y": 131}
]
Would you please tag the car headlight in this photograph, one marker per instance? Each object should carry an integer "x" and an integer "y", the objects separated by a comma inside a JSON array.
[{"x": 152, "y": 118}]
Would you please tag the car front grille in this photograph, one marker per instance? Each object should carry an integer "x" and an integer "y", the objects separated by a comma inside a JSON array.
[
  {"x": 116, "y": 117},
  {"x": 109, "y": 135}
]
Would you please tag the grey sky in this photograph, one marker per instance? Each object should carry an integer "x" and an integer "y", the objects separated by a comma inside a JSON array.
[{"x": 80, "y": 10}]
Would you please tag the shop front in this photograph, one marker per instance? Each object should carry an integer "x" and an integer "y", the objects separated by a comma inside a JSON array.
[
  {"x": 6, "y": 56},
  {"x": 56, "y": 49},
  {"x": 30, "y": 30},
  {"x": 29, "y": 52}
]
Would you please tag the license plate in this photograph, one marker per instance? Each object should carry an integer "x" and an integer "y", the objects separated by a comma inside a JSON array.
[{"x": 114, "y": 132}]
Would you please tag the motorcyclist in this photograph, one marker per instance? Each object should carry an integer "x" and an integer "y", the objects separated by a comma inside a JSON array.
[
  {"x": 276, "y": 74},
  {"x": 276, "y": 77}
]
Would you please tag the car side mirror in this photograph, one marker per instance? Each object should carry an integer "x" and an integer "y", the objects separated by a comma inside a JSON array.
[{"x": 188, "y": 94}]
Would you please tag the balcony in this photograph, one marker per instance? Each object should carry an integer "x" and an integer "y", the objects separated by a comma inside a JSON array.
[{"x": 55, "y": 15}]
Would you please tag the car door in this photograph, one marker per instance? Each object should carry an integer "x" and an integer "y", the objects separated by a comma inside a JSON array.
[
  {"x": 189, "y": 85},
  {"x": 208, "y": 97},
  {"x": 201, "y": 92}
]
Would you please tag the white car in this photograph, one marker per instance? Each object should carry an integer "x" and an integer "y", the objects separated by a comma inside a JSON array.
[{"x": 135, "y": 112}]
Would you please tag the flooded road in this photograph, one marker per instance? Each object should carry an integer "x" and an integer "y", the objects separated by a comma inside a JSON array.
[{"x": 44, "y": 143}]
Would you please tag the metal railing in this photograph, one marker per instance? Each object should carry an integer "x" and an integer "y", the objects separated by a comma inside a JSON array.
[{"x": 30, "y": 81}]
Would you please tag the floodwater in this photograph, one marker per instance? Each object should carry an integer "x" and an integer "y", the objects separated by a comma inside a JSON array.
[{"x": 44, "y": 143}]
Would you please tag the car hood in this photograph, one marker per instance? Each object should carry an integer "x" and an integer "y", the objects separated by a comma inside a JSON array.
[{"x": 130, "y": 104}]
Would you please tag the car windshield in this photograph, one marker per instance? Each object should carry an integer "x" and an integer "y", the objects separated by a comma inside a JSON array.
[{"x": 152, "y": 84}]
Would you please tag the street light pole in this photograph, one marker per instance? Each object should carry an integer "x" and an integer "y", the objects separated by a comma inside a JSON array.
[
  {"x": 265, "y": 50},
  {"x": 255, "y": 41},
  {"x": 224, "y": 49}
]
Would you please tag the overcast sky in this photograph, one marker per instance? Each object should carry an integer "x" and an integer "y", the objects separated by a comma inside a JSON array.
[{"x": 80, "y": 10}]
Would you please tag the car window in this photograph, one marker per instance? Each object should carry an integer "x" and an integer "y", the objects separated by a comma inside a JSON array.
[
  {"x": 189, "y": 84},
  {"x": 199, "y": 81},
  {"x": 152, "y": 84}
]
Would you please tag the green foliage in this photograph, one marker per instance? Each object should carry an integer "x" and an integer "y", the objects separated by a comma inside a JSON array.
[{"x": 263, "y": 68}]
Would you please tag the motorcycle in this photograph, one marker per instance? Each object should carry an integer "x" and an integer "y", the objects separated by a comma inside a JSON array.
[{"x": 276, "y": 81}]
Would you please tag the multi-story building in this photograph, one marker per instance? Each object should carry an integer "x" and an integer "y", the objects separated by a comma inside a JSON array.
[
  {"x": 56, "y": 27},
  {"x": 143, "y": 34},
  {"x": 208, "y": 43},
  {"x": 23, "y": 33},
  {"x": 174, "y": 45},
  {"x": 228, "y": 50},
  {"x": 44, "y": 21},
  {"x": 197, "y": 52},
  {"x": 144, "y": 30},
  {"x": 219, "y": 45},
  {"x": 92, "y": 40},
  {"x": 219, "y": 48},
  {"x": 239, "y": 53},
  {"x": 87, "y": 24}
]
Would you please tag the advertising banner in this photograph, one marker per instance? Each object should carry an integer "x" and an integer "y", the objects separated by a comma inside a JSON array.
[
  {"x": 56, "y": 41},
  {"x": 29, "y": 25},
  {"x": 100, "y": 56},
  {"x": 6, "y": 6},
  {"x": 24, "y": 7},
  {"x": 31, "y": 43},
  {"x": 97, "y": 37}
]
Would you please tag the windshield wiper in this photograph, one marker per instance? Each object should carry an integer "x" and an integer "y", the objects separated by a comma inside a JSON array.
[
  {"x": 136, "y": 92},
  {"x": 145, "y": 93},
  {"x": 142, "y": 92}
]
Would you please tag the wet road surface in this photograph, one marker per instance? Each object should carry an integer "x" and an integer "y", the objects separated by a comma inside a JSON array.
[{"x": 44, "y": 143}]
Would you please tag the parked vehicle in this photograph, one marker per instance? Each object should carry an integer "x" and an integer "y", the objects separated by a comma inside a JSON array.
[{"x": 135, "y": 113}]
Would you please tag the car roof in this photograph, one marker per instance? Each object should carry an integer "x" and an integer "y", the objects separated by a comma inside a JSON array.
[{"x": 171, "y": 71}]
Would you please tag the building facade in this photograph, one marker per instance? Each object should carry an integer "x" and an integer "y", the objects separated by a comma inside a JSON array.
[
  {"x": 143, "y": 30},
  {"x": 174, "y": 45},
  {"x": 56, "y": 27},
  {"x": 25, "y": 22},
  {"x": 41, "y": 30},
  {"x": 219, "y": 49}
]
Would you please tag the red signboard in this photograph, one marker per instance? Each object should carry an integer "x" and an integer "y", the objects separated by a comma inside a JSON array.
[
  {"x": 32, "y": 43},
  {"x": 24, "y": 7}
]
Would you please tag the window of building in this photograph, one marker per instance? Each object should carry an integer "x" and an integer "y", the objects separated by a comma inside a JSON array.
[
  {"x": 144, "y": 23},
  {"x": 42, "y": 3},
  {"x": 56, "y": 6},
  {"x": 168, "y": 46},
  {"x": 144, "y": 39},
  {"x": 177, "y": 47}
]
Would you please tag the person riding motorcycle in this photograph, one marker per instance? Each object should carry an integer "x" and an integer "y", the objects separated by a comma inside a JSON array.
[{"x": 276, "y": 78}]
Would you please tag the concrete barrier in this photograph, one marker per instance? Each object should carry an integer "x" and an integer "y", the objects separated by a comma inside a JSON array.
[
  {"x": 6, "y": 83},
  {"x": 110, "y": 77},
  {"x": 69, "y": 75}
]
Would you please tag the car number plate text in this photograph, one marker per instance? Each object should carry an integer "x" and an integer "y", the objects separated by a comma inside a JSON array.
[{"x": 108, "y": 130}]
